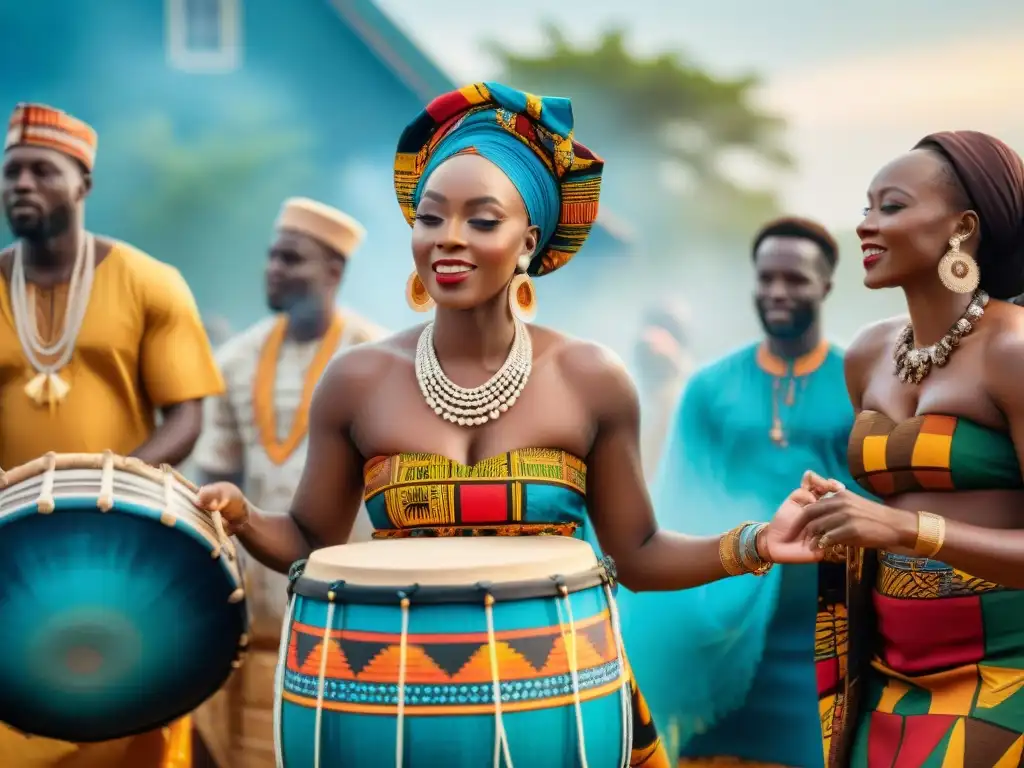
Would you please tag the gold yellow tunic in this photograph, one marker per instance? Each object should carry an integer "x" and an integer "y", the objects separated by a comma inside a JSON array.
[{"x": 142, "y": 346}]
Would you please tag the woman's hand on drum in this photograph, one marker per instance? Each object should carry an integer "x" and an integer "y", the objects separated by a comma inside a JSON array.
[
  {"x": 229, "y": 500},
  {"x": 783, "y": 540}
]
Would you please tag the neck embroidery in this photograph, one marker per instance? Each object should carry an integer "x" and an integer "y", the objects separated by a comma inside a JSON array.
[
  {"x": 785, "y": 374},
  {"x": 263, "y": 396}
]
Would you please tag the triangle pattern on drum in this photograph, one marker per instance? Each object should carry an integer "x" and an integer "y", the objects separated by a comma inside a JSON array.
[
  {"x": 359, "y": 653},
  {"x": 585, "y": 655},
  {"x": 535, "y": 650},
  {"x": 512, "y": 665},
  {"x": 304, "y": 645},
  {"x": 386, "y": 667},
  {"x": 451, "y": 657},
  {"x": 329, "y": 657},
  {"x": 598, "y": 636}
]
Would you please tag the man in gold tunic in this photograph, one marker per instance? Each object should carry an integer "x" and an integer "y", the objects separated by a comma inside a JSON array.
[
  {"x": 255, "y": 435},
  {"x": 96, "y": 338}
]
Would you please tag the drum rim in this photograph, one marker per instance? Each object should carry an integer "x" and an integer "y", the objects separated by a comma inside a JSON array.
[
  {"x": 77, "y": 504},
  {"x": 54, "y": 461},
  {"x": 556, "y": 585},
  {"x": 44, "y": 470}
]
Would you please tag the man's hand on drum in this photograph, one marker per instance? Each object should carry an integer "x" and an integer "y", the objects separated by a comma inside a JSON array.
[
  {"x": 229, "y": 500},
  {"x": 785, "y": 539}
]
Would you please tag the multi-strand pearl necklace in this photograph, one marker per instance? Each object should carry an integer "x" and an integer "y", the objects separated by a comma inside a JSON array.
[
  {"x": 47, "y": 385},
  {"x": 476, "y": 406}
]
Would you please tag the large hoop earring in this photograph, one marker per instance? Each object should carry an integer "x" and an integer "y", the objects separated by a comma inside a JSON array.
[
  {"x": 522, "y": 298},
  {"x": 959, "y": 271},
  {"x": 416, "y": 295}
]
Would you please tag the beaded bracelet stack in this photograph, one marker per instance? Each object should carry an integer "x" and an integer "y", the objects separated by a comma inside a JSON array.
[{"x": 737, "y": 550}]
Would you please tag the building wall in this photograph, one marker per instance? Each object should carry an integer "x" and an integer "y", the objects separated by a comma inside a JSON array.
[{"x": 192, "y": 167}]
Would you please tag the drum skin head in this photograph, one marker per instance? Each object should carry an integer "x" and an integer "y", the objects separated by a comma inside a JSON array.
[
  {"x": 111, "y": 623},
  {"x": 450, "y": 561}
]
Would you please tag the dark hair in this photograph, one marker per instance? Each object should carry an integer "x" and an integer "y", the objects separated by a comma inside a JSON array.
[{"x": 794, "y": 226}]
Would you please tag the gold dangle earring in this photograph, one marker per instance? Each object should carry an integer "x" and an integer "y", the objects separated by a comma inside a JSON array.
[
  {"x": 522, "y": 298},
  {"x": 959, "y": 271},
  {"x": 416, "y": 295}
]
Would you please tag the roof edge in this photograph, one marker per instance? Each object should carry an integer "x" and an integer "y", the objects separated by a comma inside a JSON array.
[{"x": 394, "y": 48}]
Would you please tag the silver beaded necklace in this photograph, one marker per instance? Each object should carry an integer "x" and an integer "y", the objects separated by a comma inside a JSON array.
[
  {"x": 913, "y": 365},
  {"x": 476, "y": 406}
]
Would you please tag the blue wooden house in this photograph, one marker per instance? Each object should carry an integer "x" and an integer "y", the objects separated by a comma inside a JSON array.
[{"x": 211, "y": 112}]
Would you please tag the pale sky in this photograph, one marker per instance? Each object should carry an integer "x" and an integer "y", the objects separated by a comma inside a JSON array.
[{"x": 859, "y": 83}]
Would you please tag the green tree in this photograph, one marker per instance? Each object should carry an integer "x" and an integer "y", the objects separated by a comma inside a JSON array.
[
  {"x": 661, "y": 117},
  {"x": 215, "y": 180},
  {"x": 206, "y": 200}
]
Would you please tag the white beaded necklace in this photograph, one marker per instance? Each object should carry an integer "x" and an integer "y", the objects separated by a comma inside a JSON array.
[
  {"x": 476, "y": 406},
  {"x": 61, "y": 350}
]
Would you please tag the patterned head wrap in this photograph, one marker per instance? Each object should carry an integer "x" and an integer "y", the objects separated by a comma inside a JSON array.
[
  {"x": 42, "y": 126},
  {"x": 530, "y": 138}
]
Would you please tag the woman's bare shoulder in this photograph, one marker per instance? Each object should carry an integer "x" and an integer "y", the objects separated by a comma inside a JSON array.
[
  {"x": 1004, "y": 352},
  {"x": 594, "y": 371},
  {"x": 580, "y": 357},
  {"x": 875, "y": 339},
  {"x": 1006, "y": 319},
  {"x": 360, "y": 367}
]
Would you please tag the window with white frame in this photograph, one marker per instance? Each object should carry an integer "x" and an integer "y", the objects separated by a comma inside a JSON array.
[{"x": 204, "y": 35}]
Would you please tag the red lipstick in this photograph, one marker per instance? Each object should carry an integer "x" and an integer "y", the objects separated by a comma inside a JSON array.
[
  {"x": 872, "y": 254},
  {"x": 451, "y": 271}
]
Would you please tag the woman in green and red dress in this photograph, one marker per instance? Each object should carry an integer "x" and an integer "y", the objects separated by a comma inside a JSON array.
[{"x": 936, "y": 573}]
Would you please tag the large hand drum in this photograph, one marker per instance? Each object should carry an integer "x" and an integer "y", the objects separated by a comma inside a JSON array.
[
  {"x": 121, "y": 605},
  {"x": 462, "y": 652}
]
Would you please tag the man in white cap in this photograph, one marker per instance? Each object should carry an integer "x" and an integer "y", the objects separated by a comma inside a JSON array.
[{"x": 255, "y": 436}]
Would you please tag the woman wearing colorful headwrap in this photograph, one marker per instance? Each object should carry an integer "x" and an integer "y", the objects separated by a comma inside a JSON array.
[
  {"x": 936, "y": 574},
  {"x": 497, "y": 191}
]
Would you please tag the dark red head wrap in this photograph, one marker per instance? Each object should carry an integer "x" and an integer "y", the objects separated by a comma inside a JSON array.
[{"x": 993, "y": 176}]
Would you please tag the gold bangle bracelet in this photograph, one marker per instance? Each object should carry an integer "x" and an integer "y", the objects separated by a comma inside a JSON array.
[
  {"x": 729, "y": 551},
  {"x": 931, "y": 534}
]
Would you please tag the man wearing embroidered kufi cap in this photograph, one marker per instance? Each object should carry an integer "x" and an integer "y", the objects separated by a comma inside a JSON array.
[
  {"x": 255, "y": 433},
  {"x": 86, "y": 363}
]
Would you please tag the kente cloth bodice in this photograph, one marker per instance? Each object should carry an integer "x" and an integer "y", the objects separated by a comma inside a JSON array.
[
  {"x": 946, "y": 649},
  {"x": 529, "y": 491},
  {"x": 525, "y": 492},
  {"x": 930, "y": 453}
]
